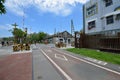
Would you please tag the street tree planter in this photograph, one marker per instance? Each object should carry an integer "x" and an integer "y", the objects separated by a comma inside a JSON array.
[{"x": 21, "y": 47}]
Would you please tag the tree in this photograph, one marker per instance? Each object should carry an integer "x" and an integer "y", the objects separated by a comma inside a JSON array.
[
  {"x": 2, "y": 7},
  {"x": 18, "y": 35},
  {"x": 81, "y": 31},
  {"x": 7, "y": 38},
  {"x": 41, "y": 36},
  {"x": 33, "y": 37},
  {"x": 37, "y": 37}
]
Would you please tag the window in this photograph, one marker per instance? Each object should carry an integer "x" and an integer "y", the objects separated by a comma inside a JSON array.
[
  {"x": 91, "y": 10},
  {"x": 109, "y": 19},
  {"x": 91, "y": 25},
  {"x": 118, "y": 17},
  {"x": 108, "y": 3},
  {"x": 61, "y": 40}
]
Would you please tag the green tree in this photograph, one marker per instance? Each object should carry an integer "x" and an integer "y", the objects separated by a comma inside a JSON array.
[
  {"x": 33, "y": 37},
  {"x": 18, "y": 35},
  {"x": 37, "y": 37},
  {"x": 2, "y": 7},
  {"x": 7, "y": 38},
  {"x": 41, "y": 36}
]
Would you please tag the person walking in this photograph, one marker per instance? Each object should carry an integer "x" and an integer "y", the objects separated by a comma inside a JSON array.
[
  {"x": 7, "y": 43},
  {"x": 3, "y": 43}
]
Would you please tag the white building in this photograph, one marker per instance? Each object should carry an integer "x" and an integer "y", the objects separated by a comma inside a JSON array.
[
  {"x": 102, "y": 17},
  {"x": 64, "y": 37}
]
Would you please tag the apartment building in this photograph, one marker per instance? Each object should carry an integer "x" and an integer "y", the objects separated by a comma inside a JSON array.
[{"x": 101, "y": 17}]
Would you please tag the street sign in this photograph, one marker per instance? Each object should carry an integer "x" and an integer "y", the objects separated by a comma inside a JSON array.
[{"x": 78, "y": 35}]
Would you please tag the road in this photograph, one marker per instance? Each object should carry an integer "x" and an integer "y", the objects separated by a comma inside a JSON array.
[
  {"x": 64, "y": 66},
  {"x": 42, "y": 68},
  {"x": 6, "y": 50},
  {"x": 50, "y": 63}
]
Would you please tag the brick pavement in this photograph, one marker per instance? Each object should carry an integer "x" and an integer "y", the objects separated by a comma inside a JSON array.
[{"x": 16, "y": 67}]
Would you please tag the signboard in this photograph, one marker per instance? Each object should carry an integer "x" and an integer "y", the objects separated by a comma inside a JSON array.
[
  {"x": 77, "y": 35},
  {"x": 77, "y": 40}
]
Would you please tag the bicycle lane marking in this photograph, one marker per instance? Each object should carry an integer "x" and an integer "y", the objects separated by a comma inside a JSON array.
[
  {"x": 63, "y": 72},
  {"x": 107, "y": 69}
]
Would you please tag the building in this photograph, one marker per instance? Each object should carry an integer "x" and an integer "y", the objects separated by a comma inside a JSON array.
[
  {"x": 101, "y": 25},
  {"x": 64, "y": 37},
  {"x": 102, "y": 17}
]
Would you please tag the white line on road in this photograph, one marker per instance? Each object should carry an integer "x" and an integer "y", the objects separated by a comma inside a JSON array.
[
  {"x": 90, "y": 63},
  {"x": 95, "y": 61},
  {"x": 62, "y": 57},
  {"x": 104, "y": 63},
  {"x": 99, "y": 62},
  {"x": 49, "y": 50},
  {"x": 65, "y": 58},
  {"x": 65, "y": 74}
]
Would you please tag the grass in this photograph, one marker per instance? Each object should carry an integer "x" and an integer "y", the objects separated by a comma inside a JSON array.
[{"x": 104, "y": 56}]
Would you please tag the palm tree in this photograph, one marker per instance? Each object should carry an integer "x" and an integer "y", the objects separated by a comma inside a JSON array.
[{"x": 2, "y": 7}]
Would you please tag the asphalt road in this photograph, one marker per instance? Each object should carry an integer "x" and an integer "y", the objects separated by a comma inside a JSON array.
[
  {"x": 59, "y": 65},
  {"x": 6, "y": 50},
  {"x": 42, "y": 68},
  {"x": 50, "y": 63}
]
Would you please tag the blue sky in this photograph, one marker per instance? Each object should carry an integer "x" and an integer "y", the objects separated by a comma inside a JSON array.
[{"x": 42, "y": 15}]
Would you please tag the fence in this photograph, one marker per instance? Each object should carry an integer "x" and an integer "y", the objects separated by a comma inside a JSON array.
[
  {"x": 100, "y": 42},
  {"x": 112, "y": 44}
]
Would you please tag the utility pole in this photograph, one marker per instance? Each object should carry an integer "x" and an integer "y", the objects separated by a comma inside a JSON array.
[
  {"x": 72, "y": 28},
  {"x": 15, "y": 38},
  {"x": 15, "y": 25},
  {"x": 23, "y": 17},
  {"x": 55, "y": 31}
]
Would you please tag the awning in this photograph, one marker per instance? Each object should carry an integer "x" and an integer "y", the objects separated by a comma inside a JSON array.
[
  {"x": 116, "y": 9},
  {"x": 108, "y": 14},
  {"x": 112, "y": 13},
  {"x": 91, "y": 20},
  {"x": 117, "y": 12}
]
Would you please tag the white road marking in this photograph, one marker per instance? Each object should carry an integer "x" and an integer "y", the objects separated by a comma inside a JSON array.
[
  {"x": 62, "y": 57},
  {"x": 49, "y": 50},
  {"x": 99, "y": 62},
  {"x": 65, "y": 74},
  {"x": 107, "y": 69},
  {"x": 104, "y": 63},
  {"x": 65, "y": 58},
  {"x": 96, "y": 61}
]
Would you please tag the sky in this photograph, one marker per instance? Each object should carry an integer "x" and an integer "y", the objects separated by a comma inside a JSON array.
[{"x": 42, "y": 16}]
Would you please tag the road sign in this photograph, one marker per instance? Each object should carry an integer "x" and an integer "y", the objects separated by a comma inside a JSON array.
[{"x": 78, "y": 35}]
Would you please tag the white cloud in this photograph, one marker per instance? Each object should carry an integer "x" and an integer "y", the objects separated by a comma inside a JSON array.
[
  {"x": 9, "y": 27},
  {"x": 58, "y": 7},
  {"x": 6, "y": 27}
]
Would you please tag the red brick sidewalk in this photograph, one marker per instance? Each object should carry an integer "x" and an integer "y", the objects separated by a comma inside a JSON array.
[{"x": 16, "y": 67}]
